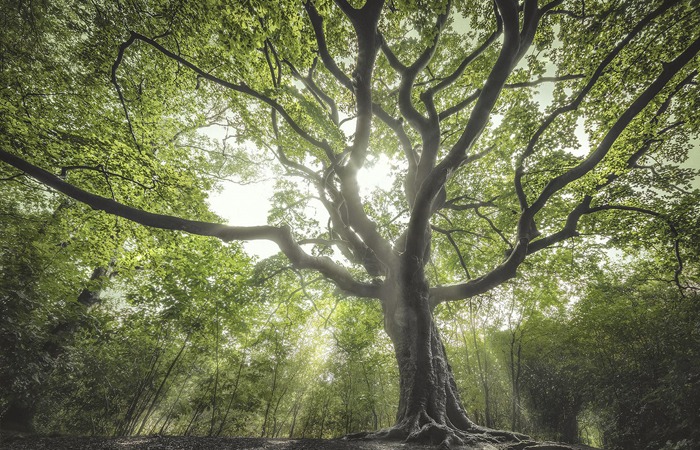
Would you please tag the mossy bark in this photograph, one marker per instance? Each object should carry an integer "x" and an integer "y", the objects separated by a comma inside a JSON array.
[{"x": 430, "y": 409}]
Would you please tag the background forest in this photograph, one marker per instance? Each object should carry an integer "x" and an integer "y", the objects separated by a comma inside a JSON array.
[
  {"x": 541, "y": 212},
  {"x": 202, "y": 341}
]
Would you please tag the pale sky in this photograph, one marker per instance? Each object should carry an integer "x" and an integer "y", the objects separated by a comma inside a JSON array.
[{"x": 249, "y": 204}]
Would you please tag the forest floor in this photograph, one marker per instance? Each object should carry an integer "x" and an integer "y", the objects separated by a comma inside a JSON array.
[{"x": 215, "y": 443}]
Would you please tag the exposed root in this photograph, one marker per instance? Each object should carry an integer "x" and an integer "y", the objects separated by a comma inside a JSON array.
[
  {"x": 446, "y": 437},
  {"x": 501, "y": 435},
  {"x": 424, "y": 430}
]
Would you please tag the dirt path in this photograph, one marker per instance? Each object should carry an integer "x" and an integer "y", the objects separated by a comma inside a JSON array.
[{"x": 213, "y": 443}]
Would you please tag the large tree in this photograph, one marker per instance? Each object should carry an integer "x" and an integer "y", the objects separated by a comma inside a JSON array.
[{"x": 510, "y": 129}]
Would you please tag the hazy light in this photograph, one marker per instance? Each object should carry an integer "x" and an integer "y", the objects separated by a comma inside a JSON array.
[
  {"x": 376, "y": 175},
  {"x": 246, "y": 205}
]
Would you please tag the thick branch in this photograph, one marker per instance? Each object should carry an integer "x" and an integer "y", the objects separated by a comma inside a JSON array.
[
  {"x": 520, "y": 170},
  {"x": 326, "y": 58},
  {"x": 409, "y": 74},
  {"x": 507, "y": 269},
  {"x": 668, "y": 72},
  {"x": 282, "y": 236},
  {"x": 396, "y": 126},
  {"x": 367, "y": 40},
  {"x": 478, "y": 119}
]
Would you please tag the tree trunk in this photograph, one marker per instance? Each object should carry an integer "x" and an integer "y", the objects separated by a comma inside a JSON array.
[
  {"x": 429, "y": 405},
  {"x": 430, "y": 409}
]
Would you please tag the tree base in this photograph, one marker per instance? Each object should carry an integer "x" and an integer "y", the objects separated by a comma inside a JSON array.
[{"x": 446, "y": 437}]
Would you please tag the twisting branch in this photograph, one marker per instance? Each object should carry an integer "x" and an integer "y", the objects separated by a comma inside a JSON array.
[
  {"x": 361, "y": 87},
  {"x": 671, "y": 226},
  {"x": 120, "y": 56},
  {"x": 507, "y": 269},
  {"x": 466, "y": 101},
  {"x": 321, "y": 97},
  {"x": 282, "y": 236},
  {"x": 427, "y": 127},
  {"x": 668, "y": 72},
  {"x": 531, "y": 18},
  {"x": 391, "y": 57},
  {"x": 570, "y": 228},
  {"x": 364, "y": 22},
  {"x": 574, "y": 104},
  {"x": 409, "y": 74},
  {"x": 242, "y": 88},
  {"x": 355, "y": 250},
  {"x": 397, "y": 127},
  {"x": 454, "y": 76},
  {"x": 478, "y": 119},
  {"x": 326, "y": 58},
  {"x": 352, "y": 247}
]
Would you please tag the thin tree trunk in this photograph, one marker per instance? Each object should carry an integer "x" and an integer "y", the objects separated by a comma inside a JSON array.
[
  {"x": 216, "y": 381},
  {"x": 275, "y": 430},
  {"x": 269, "y": 401},
  {"x": 323, "y": 417},
  {"x": 515, "y": 369},
  {"x": 295, "y": 412},
  {"x": 233, "y": 397},
  {"x": 162, "y": 384},
  {"x": 168, "y": 415},
  {"x": 482, "y": 370},
  {"x": 370, "y": 395},
  {"x": 127, "y": 423},
  {"x": 348, "y": 405},
  {"x": 200, "y": 407}
]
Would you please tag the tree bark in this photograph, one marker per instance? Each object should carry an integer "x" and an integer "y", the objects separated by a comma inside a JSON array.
[{"x": 430, "y": 409}]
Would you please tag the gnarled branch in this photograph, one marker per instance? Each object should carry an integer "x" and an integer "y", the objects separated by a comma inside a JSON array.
[{"x": 282, "y": 236}]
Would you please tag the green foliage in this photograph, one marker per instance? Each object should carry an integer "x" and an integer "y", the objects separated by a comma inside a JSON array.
[
  {"x": 628, "y": 350},
  {"x": 184, "y": 335}
]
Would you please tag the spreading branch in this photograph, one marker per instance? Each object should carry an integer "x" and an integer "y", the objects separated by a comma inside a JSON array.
[
  {"x": 580, "y": 96},
  {"x": 242, "y": 88},
  {"x": 282, "y": 236},
  {"x": 507, "y": 269},
  {"x": 435, "y": 181}
]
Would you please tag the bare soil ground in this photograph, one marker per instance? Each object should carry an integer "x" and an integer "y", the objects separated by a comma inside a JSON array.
[{"x": 16, "y": 442}]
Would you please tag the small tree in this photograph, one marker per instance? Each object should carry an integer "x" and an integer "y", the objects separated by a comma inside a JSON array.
[{"x": 485, "y": 176}]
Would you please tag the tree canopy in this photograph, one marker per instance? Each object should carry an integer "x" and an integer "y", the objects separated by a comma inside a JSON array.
[{"x": 107, "y": 100}]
